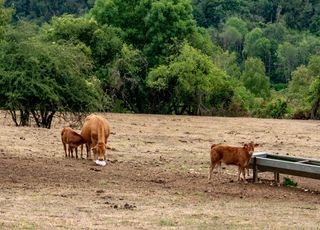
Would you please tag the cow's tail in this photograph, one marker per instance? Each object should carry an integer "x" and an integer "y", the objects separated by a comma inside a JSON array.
[{"x": 62, "y": 132}]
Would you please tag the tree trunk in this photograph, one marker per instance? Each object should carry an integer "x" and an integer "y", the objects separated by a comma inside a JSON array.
[
  {"x": 23, "y": 119},
  {"x": 199, "y": 102},
  {"x": 43, "y": 118},
  {"x": 14, "y": 117}
]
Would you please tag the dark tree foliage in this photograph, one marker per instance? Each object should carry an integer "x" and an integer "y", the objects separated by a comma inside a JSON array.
[
  {"x": 300, "y": 14},
  {"x": 212, "y": 12},
  {"x": 42, "y": 11},
  {"x": 296, "y": 14}
]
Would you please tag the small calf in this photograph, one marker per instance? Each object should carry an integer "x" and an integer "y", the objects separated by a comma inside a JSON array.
[
  {"x": 230, "y": 155},
  {"x": 71, "y": 140}
]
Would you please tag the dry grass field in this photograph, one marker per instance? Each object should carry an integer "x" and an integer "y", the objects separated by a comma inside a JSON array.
[{"x": 155, "y": 177}]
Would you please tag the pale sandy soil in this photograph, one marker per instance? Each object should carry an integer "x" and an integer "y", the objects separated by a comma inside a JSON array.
[{"x": 155, "y": 178}]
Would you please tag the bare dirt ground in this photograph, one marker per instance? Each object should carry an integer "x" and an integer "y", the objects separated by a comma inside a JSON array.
[{"x": 155, "y": 177}]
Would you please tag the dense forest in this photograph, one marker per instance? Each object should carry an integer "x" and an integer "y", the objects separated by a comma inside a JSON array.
[{"x": 201, "y": 57}]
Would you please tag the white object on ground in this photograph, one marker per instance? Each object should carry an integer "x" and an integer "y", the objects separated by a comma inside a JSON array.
[{"x": 102, "y": 163}]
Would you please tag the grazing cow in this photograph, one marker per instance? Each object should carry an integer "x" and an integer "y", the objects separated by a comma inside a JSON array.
[
  {"x": 71, "y": 140},
  {"x": 95, "y": 132},
  {"x": 230, "y": 155}
]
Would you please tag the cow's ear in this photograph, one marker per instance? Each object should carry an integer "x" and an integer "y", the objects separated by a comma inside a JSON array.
[{"x": 245, "y": 146}]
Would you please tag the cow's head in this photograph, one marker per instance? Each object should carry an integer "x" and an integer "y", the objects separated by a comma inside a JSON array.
[
  {"x": 250, "y": 147},
  {"x": 100, "y": 151}
]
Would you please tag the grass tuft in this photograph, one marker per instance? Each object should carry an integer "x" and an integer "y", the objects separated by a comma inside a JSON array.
[
  {"x": 167, "y": 222},
  {"x": 289, "y": 182}
]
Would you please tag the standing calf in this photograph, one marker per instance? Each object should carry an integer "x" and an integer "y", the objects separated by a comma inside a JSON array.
[
  {"x": 71, "y": 140},
  {"x": 230, "y": 155}
]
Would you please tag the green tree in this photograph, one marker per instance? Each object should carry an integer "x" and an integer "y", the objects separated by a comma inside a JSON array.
[
  {"x": 299, "y": 91},
  {"x": 297, "y": 13},
  {"x": 263, "y": 10},
  {"x": 228, "y": 62},
  {"x": 158, "y": 28},
  {"x": 129, "y": 15},
  {"x": 106, "y": 44},
  {"x": 102, "y": 43},
  {"x": 192, "y": 83},
  {"x": 234, "y": 31},
  {"x": 314, "y": 67},
  {"x": 168, "y": 22},
  {"x": 42, "y": 11},
  {"x": 126, "y": 80},
  {"x": 256, "y": 45},
  {"x": 201, "y": 40},
  {"x": 212, "y": 12},
  {"x": 304, "y": 90},
  {"x": 288, "y": 59},
  {"x": 5, "y": 18},
  {"x": 255, "y": 79},
  {"x": 71, "y": 28},
  {"x": 231, "y": 38},
  {"x": 40, "y": 78},
  {"x": 276, "y": 33}
]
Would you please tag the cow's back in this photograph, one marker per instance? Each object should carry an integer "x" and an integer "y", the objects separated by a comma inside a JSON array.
[
  {"x": 93, "y": 125},
  {"x": 229, "y": 154}
]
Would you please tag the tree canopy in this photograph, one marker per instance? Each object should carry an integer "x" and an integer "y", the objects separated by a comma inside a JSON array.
[
  {"x": 40, "y": 78},
  {"x": 211, "y": 57}
]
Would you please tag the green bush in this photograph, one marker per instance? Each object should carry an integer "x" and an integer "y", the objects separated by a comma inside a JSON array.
[
  {"x": 276, "y": 108},
  {"x": 289, "y": 182}
]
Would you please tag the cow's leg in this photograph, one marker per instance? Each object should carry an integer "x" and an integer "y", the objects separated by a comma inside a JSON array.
[
  {"x": 244, "y": 174},
  {"x": 71, "y": 150},
  {"x": 88, "y": 146},
  {"x": 219, "y": 168},
  {"x": 76, "y": 150},
  {"x": 239, "y": 172},
  {"x": 247, "y": 167},
  {"x": 65, "y": 149},
  {"x": 212, "y": 165},
  {"x": 105, "y": 154},
  {"x": 243, "y": 170}
]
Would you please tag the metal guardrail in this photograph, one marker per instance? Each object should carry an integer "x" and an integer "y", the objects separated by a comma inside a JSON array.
[{"x": 297, "y": 166}]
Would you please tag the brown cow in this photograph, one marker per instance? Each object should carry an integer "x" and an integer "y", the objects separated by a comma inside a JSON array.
[
  {"x": 95, "y": 132},
  {"x": 230, "y": 155},
  {"x": 71, "y": 140}
]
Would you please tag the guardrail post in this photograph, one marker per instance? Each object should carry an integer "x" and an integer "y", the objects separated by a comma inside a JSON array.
[
  {"x": 255, "y": 171},
  {"x": 276, "y": 177}
]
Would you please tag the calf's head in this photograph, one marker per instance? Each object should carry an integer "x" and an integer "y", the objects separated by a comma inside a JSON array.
[
  {"x": 250, "y": 147},
  {"x": 100, "y": 150}
]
